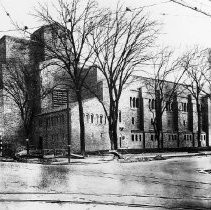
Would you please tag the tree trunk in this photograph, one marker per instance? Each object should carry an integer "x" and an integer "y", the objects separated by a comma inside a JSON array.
[
  {"x": 113, "y": 134},
  {"x": 81, "y": 122},
  {"x": 113, "y": 124},
  {"x": 199, "y": 125}
]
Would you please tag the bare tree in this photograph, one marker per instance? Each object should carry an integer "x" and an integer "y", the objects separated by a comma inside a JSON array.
[
  {"x": 66, "y": 46},
  {"x": 21, "y": 84},
  {"x": 197, "y": 70},
  {"x": 163, "y": 92},
  {"x": 120, "y": 44}
]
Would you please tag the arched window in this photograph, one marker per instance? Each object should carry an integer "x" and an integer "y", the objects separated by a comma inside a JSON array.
[
  {"x": 101, "y": 119},
  {"x": 92, "y": 118},
  {"x": 97, "y": 118},
  {"x": 87, "y": 117},
  {"x": 134, "y": 102}
]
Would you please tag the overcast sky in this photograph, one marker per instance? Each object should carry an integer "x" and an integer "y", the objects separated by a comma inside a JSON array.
[{"x": 182, "y": 27}]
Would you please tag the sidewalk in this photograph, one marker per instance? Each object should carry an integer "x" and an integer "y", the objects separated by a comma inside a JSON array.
[
  {"x": 94, "y": 159},
  {"x": 127, "y": 158}
]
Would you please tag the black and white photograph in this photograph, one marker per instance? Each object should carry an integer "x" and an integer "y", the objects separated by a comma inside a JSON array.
[{"x": 105, "y": 104}]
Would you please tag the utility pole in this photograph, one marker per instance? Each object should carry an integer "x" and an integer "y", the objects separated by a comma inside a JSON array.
[{"x": 68, "y": 127}]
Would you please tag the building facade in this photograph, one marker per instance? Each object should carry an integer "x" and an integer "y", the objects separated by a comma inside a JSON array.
[
  {"x": 137, "y": 109},
  {"x": 135, "y": 127}
]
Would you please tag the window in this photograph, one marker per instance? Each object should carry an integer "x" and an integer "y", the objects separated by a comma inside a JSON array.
[
  {"x": 131, "y": 102},
  {"x": 59, "y": 97},
  {"x": 136, "y": 137},
  {"x": 184, "y": 122},
  {"x": 132, "y": 137},
  {"x": 133, "y": 120},
  {"x": 101, "y": 135},
  {"x": 92, "y": 118},
  {"x": 184, "y": 107},
  {"x": 87, "y": 117},
  {"x": 97, "y": 118},
  {"x": 152, "y": 137},
  {"x": 139, "y": 137},
  {"x": 151, "y": 103},
  {"x": 169, "y": 137},
  {"x": 120, "y": 116},
  {"x": 185, "y": 137},
  {"x": 152, "y": 121},
  {"x": 105, "y": 119},
  {"x": 101, "y": 119},
  {"x": 168, "y": 106},
  {"x": 134, "y": 102}
]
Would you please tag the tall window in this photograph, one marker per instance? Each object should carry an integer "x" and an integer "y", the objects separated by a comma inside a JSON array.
[
  {"x": 134, "y": 102},
  {"x": 59, "y": 97},
  {"x": 87, "y": 117},
  {"x": 97, "y": 118},
  {"x": 133, "y": 120},
  {"x": 101, "y": 119},
  {"x": 184, "y": 107},
  {"x": 151, "y": 103},
  {"x": 92, "y": 118},
  {"x": 120, "y": 116}
]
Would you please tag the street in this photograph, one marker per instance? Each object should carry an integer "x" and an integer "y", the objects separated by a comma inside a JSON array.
[{"x": 178, "y": 183}]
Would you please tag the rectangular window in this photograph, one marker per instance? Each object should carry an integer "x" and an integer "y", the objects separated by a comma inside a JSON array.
[
  {"x": 152, "y": 137},
  {"x": 139, "y": 137},
  {"x": 169, "y": 137},
  {"x": 184, "y": 137},
  {"x": 136, "y": 137},
  {"x": 133, "y": 120},
  {"x": 132, "y": 137},
  {"x": 59, "y": 97}
]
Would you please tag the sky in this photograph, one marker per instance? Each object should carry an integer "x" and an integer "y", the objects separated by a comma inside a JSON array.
[{"x": 181, "y": 27}]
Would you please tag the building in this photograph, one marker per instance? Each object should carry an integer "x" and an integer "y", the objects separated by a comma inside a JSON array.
[{"x": 136, "y": 109}]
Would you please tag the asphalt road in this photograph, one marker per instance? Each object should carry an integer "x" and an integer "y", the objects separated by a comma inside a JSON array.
[{"x": 179, "y": 183}]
